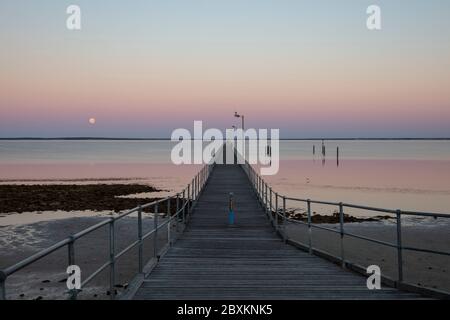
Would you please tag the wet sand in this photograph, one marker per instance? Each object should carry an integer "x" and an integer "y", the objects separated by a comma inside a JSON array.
[
  {"x": 36, "y": 216},
  {"x": 46, "y": 279}
]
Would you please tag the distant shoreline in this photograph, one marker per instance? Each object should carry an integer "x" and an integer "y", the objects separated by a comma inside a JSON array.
[{"x": 168, "y": 139}]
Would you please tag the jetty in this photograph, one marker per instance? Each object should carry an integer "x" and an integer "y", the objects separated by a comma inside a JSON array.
[{"x": 248, "y": 260}]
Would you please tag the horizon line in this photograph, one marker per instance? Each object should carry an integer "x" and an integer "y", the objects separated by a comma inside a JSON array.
[{"x": 169, "y": 139}]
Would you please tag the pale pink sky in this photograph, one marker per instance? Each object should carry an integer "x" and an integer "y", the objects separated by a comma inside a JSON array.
[{"x": 155, "y": 70}]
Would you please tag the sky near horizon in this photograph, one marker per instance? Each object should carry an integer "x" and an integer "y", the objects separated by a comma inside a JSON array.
[{"x": 143, "y": 68}]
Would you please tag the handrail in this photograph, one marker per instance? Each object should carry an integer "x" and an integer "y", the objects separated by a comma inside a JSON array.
[
  {"x": 188, "y": 197},
  {"x": 265, "y": 196}
]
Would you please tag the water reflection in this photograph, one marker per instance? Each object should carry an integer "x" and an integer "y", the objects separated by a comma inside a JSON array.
[{"x": 323, "y": 154}]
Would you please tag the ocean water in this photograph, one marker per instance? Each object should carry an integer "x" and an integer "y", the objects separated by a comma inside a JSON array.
[
  {"x": 88, "y": 161},
  {"x": 404, "y": 174},
  {"x": 411, "y": 175}
]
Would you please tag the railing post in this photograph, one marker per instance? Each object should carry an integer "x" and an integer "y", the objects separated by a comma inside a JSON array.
[
  {"x": 185, "y": 203},
  {"x": 252, "y": 174},
  {"x": 188, "y": 204},
  {"x": 266, "y": 197},
  {"x": 284, "y": 219},
  {"x": 155, "y": 234},
  {"x": 141, "y": 264},
  {"x": 196, "y": 186},
  {"x": 168, "y": 208},
  {"x": 341, "y": 223},
  {"x": 203, "y": 177},
  {"x": 261, "y": 193},
  {"x": 261, "y": 189},
  {"x": 276, "y": 210},
  {"x": 177, "y": 212},
  {"x": 71, "y": 261},
  {"x": 270, "y": 205},
  {"x": 309, "y": 226},
  {"x": 112, "y": 259},
  {"x": 71, "y": 251},
  {"x": 202, "y": 181},
  {"x": 399, "y": 246},
  {"x": 169, "y": 224},
  {"x": 2, "y": 285},
  {"x": 258, "y": 187}
]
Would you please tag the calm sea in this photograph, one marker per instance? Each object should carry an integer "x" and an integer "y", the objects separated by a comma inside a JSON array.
[{"x": 412, "y": 175}]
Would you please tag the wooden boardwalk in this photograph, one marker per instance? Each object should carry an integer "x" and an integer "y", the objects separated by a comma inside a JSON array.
[{"x": 212, "y": 260}]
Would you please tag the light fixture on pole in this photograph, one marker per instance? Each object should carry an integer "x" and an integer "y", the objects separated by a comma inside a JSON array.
[{"x": 242, "y": 119}]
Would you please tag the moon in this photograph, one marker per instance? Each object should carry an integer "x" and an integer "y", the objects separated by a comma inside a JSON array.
[{"x": 92, "y": 120}]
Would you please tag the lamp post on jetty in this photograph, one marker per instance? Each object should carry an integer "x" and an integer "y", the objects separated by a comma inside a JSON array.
[{"x": 236, "y": 115}]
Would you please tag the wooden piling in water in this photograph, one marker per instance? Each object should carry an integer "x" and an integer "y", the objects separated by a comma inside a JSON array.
[
  {"x": 323, "y": 148},
  {"x": 337, "y": 156}
]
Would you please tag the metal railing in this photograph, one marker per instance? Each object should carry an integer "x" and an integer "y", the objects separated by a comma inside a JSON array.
[
  {"x": 274, "y": 205},
  {"x": 184, "y": 202}
]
